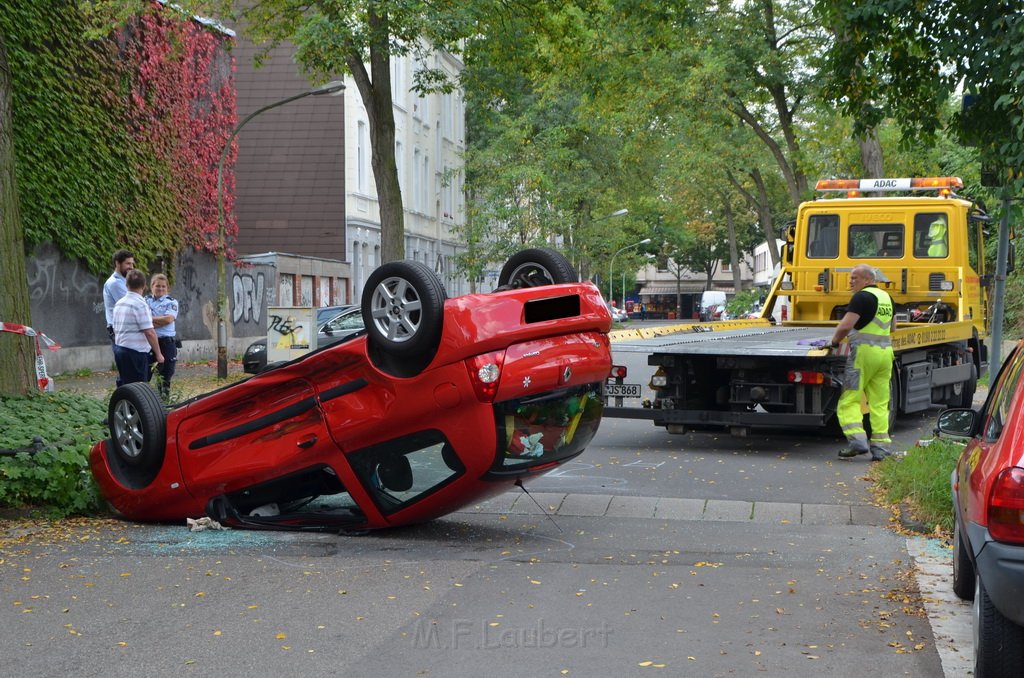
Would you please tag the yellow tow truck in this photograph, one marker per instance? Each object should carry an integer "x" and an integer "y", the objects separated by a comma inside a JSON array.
[{"x": 927, "y": 245}]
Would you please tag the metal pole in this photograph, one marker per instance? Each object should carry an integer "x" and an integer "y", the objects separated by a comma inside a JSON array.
[
  {"x": 996, "y": 350},
  {"x": 222, "y": 292}
]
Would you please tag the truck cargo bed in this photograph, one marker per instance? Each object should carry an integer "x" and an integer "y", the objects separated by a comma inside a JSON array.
[{"x": 762, "y": 340}]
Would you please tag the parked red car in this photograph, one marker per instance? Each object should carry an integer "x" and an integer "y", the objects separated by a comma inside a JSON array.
[
  {"x": 988, "y": 537},
  {"x": 438, "y": 404}
]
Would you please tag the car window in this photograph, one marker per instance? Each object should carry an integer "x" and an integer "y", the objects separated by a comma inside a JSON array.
[
  {"x": 346, "y": 323},
  {"x": 997, "y": 409}
]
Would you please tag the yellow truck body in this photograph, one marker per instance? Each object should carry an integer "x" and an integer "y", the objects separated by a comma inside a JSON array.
[{"x": 927, "y": 246}]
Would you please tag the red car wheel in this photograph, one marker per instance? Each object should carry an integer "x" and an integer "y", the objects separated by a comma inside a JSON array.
[
  {"x": 137, "y": 422},
  {"x": 536, "y": 267},
  {"x": 403, "y": 309}
]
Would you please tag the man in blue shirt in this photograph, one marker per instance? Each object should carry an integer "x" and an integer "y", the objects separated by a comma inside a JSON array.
[
  {"x": 165, "y": 311},
  {"x": 115, "y": 288}
]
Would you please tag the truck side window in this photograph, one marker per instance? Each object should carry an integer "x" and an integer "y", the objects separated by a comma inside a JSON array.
[
  {"x": 869, "y": 241},
  {"x": 823, "y": 236},
  {"x": 931, "y": 235}
]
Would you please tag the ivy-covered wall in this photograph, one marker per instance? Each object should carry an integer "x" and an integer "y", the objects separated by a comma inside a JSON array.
[{"x": 117, "y": 141}]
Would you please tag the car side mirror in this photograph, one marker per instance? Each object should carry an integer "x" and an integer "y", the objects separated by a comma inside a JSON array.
[{"x": 957, "y": 422}]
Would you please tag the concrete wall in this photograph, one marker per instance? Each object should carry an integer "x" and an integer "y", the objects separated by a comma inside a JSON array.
[{"x": 67, "y": 306}]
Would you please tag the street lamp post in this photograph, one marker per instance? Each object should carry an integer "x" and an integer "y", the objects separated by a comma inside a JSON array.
[
  {"x": 332, "y": 88},
  {"x": 611, "y": 268},
  {"x": 579, "y": 262}
]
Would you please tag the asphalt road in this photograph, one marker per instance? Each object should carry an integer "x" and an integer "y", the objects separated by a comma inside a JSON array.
[{"x": 682, "y": 555}]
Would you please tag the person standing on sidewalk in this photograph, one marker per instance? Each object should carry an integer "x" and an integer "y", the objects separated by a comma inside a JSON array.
[
  {"x": 164, "y": 308},
  {"x": 114, "y": 288},
  {"x": 134, "y": 335},
  {"x": 868, "y": 322}
]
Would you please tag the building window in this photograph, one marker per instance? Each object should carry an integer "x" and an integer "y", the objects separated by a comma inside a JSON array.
[
  {"x": 397, "y": 81},
  {"x": 361, "y": 155},
  {"x": 424, "y": 182},
  {"x": 400, "y": 166},
  {"x": 286, "y": 290},
  {"x": 416, "y": 205}
]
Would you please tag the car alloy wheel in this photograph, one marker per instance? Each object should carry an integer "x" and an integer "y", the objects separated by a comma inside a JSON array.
[
  {"x": 536, "y": 267},
  {"x": 403, "y": 309},
  {"x": 137, "y": 422}
]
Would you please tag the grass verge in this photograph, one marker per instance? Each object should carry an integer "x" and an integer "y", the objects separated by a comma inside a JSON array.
[{"x": 920, "y": 479}]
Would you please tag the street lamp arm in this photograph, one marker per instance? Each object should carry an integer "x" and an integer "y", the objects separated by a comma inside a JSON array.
[
  {"x": 611, "y": 265},
  {"x": 332, "y": 89}
]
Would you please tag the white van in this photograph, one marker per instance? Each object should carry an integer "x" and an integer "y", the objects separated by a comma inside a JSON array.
[{"x": 709, "y": 300}]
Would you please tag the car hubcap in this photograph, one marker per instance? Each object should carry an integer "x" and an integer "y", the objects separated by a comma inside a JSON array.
[
  {"x": 530, "y": 275},
  {"x": 128, "y": 428},
  {"x": 396, "y": 309}
]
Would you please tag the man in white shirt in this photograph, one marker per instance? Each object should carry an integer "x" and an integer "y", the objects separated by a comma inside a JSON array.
[
  {"x": 134, "y": 335},
  {"x": 115, "y": 288}
]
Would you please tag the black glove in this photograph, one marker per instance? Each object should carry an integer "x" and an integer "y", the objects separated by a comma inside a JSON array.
[{"x": 110, "y": 331}]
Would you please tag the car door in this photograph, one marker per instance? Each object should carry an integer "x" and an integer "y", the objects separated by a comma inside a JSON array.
[
  {"x": 252, "y": 432},
  {"x": 981, "y": 459}
]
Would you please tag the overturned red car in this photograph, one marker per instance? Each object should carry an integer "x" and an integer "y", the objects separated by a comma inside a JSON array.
[{"x": 439, "y": 403}]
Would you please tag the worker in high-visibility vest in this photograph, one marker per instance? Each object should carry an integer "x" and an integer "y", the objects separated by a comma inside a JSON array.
[
  {"x": 938, "y": 243},
  {"x": 868, "y": 322}
]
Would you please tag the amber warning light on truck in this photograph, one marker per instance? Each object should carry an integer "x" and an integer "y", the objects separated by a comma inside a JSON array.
[{"x": 944, "y": 185}]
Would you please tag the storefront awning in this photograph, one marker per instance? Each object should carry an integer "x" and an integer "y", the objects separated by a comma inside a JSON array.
[{"x": 685, "y": 287}]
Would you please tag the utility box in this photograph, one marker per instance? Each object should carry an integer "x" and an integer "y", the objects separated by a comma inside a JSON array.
[{"x": 291, "y": 332}]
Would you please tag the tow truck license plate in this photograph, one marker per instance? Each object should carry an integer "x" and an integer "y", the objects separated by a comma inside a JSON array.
[{"x": 622, "y": 390}]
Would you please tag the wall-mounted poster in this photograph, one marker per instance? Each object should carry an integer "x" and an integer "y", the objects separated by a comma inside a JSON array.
[{"x": 291, "y": 332}]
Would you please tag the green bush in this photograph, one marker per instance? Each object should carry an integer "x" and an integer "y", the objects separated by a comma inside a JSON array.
[
  {"x": 56, "y": 478},
  {"x": 921, "y": 478}
]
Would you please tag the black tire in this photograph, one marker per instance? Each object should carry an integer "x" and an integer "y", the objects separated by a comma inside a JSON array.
[
  {"x": 403, "y": 309},
  {"x": 965, "y": 396},
  {"x": 138, "y": 425},
  {"x": 963, "y": 568},
  {"x": 535, "y": 268},
  {"x": 998, "y": 642}
]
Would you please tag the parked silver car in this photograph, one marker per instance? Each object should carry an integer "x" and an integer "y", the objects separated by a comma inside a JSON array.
[{"x": 334, "y": 324}]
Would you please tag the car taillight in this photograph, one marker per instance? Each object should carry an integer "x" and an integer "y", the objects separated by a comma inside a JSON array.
[
  {"x": 1006, "y": 506},
  {"x": 805, "y": 377},
  {"x": 618, "y": 372},
  {"x": 485, "y": 373}
]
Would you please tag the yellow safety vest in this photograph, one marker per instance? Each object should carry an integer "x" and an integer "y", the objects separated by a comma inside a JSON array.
[
  {"x": 877, "y": 331},
  {"x": 938, "y": 246}
]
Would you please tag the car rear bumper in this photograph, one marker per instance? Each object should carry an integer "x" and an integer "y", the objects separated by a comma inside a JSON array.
[{"x": 1001, "y": 568}]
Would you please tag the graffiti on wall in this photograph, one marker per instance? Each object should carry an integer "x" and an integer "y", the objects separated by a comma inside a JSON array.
[
  {"x": 53, "y": 284},
  {"x": 248, "y": 292}
]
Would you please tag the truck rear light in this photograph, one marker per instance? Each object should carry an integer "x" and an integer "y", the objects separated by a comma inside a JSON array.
[
  {"x": 659, "y": 380},
  {"x": 1006, "y": 506},
  {"x": 618, "y": 371},
  {"x": 805, "y": 377},
  {"x": 485, "y": 373}
]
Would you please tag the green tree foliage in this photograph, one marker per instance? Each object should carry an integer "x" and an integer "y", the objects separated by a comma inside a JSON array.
[
  {"x": 905, "y": 59},
  {"x": 103, "y": 161}
]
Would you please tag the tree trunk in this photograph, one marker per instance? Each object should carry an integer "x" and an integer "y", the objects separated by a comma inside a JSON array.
[
  {"x": 734, "y": 254},
  {"x": 375, "y": 90},
  {"x": 17, "y": 358},
  {"x": 871, "y": 159}
]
